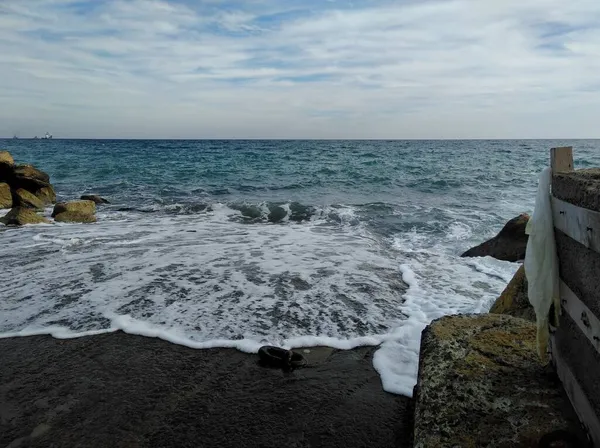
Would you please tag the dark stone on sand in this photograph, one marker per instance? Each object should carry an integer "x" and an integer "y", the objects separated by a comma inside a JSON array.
[
  {"x": 509, "y": 245},
  {"x": 95, "y": 198},
  {"x": 119, "y": 390}
]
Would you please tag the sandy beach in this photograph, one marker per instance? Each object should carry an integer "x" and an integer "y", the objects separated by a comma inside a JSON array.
[{"x": 120, "y": 390}]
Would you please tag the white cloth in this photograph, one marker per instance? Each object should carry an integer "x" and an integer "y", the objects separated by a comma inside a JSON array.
[{"x": 541, "y": 263}]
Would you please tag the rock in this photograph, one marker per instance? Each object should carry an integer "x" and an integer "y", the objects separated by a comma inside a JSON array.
[
  {"x": 6, "y": 166},
  {"x": 29, "y": 178},
  {"x": 5, "y": 196},
  {"x": 19, "y": 216},
  {"x": 81, "y": 207},
  {"x": 514, "y": 300},
  {"x": 30, "y": 172},
  {"x": 95, "y": 198},
  {"x": 74, "y": 217},
  {"x": 480, "y": 384},
  {"x": 23, "y": 198},
  {"x": 276, "y": 214},
  {"x": 46, "y": 194},
  {"x": 75, "y": 211},
  {"x": 508, "y": 245},
  {"x": 6, "y": 158}
]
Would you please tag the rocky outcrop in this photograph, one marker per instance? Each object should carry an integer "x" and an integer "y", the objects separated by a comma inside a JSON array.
[
  {"x": 74, "y": 217},
  {"x": 20, "y": 216},
  {"x": 75, "y": 211},
  {"x": 30, "y": 172},
  {"x": 508, "y": 245},
  {"x": 29, "y": 178},
  {"x": 7, "y": 164},
  {"x": 25, "y": 199},
  {"x": 5, "y": 196},
  {"x": 95, "y": 198},
  {"x": 6, "y": 158},
  {"x": 46, "y": 194},
  {"x": 480, "y": 384},
  {"x": 514, "y": 300}
]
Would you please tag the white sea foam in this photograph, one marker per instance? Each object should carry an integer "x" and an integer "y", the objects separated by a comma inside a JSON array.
[{"x": 206, "y": 280}]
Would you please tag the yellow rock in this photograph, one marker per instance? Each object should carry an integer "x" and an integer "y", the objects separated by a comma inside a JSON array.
[
  {"x": 19, "y": 216},
  {"x": 74, "y": 217},
  {"x": 80, "y": 207},
  {"x": 6, "y": 158},
  {"x": 23, "y": 198},
  {"x": 5, "y": 196},
  {"x": 514, "y": 300},
  {"x": 480, "y": 383},
  {"x": 46, "y": 195},
  {"x": 31, "y": 172}
]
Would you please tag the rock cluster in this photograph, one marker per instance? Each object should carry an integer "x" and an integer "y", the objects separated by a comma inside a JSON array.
[{"x": 27, "y": 190}]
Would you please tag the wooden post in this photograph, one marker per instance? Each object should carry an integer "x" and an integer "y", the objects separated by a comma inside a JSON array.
[{"x": 561, "y": 159}]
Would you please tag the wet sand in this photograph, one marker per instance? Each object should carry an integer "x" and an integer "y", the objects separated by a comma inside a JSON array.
[{"x": 120, "y": 390}]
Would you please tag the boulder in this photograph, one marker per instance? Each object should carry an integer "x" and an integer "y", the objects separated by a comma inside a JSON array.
[
  {"x": 25, "y": 199},
  {"x": 74, "y": 217},
  {"x": 20, "y": 216},
  {"x": 30, "y": 172},
  {"x": 508, "y": 245},
  {"x": 46, "y": 194},
  {"x": 6, "y": 158},
  {"x": 514, "y": 300},
  {"x": 29, "y": 178},
  {"x": 75, "y": 211},
  {"x": 6, "y": 166},
  {"x": 81, "y": 207},
  {"x": 480, "y": 383},
  {"x": 5, "y": 196},
  {"x": 95, "y": 198}
]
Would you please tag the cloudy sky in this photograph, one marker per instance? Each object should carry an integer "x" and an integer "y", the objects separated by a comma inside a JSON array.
[{"x": 300, "y": 69}]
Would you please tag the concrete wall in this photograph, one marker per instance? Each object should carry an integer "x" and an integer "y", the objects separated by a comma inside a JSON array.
[{"x": 580, "y": 270}]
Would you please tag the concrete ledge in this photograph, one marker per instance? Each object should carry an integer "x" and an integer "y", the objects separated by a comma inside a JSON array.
[
  {"x": 581, "y": 187},
  {"x": 481, "y": 385}
]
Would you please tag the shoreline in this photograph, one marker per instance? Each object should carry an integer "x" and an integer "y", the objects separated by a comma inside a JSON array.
[{"x": 117, "y": 389}]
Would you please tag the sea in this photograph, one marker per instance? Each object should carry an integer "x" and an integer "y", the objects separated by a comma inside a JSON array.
[{"x": 290, "y": 243}]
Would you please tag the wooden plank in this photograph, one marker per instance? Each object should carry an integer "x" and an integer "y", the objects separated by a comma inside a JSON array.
[
  {"x": 580, "y": 224},
  {"x": 585, "y": 319},
  {"x": 576, "y": 395},
  {"x": 561, "y": 159}
]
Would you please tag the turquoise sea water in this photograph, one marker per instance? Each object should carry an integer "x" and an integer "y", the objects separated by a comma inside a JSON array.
[{"x": 238, "y": 243}]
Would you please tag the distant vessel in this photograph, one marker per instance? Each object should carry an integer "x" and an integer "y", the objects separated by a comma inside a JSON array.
[
  {"x": 47, "y": 136},
  {"x": 15, "y": 137}
]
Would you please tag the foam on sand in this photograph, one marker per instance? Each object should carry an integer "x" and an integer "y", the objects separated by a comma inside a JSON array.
[{"x": 209, "y": 280}]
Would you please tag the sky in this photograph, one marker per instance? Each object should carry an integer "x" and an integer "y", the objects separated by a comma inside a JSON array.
[{"x": 399, "y": 69}]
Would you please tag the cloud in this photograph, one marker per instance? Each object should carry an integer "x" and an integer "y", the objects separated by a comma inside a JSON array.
[{"x": 261, "y": 68}]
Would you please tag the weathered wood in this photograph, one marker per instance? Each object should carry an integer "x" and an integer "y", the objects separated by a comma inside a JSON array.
[
  {"x": 561, "y": 159},
  {"x": 576, "y": 395},
  {"x": 585, "y": 319},
  {"x": 581, "y": 224}
]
